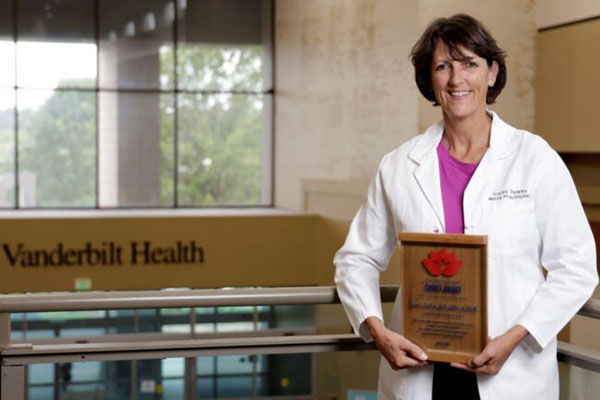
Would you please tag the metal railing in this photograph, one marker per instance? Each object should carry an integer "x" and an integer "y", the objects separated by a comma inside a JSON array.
[{"x": 15, "y": 356}]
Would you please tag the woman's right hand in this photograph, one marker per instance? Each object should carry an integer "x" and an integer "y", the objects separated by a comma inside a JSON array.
[{"x": 398, "y": 351}]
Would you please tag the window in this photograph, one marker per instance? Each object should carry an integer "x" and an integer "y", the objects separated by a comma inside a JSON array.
[{"x": 143, "y": 103}]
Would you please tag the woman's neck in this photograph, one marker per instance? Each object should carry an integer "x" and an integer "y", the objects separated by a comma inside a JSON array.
[{"x": 467, "y": 139}]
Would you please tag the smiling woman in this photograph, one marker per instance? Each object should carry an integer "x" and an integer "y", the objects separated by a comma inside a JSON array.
[
  {"x": 461, "y": 85},
  {"x": 472, "y": 173},
  {"x": 459, "y": 66},
  {"x": 445, "y": 42}
]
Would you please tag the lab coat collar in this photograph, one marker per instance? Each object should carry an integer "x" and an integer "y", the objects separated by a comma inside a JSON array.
[
  {"x": 427, "y": 173},
  {"x": 501, "y": 143}
]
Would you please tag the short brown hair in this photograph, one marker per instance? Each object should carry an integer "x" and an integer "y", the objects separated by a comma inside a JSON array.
[{"x": 458, "y": 30}]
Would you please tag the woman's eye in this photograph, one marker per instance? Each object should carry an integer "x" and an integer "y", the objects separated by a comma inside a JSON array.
[
  {"x": 441, "y": 67},
  {"x": 471, "y": 64}
]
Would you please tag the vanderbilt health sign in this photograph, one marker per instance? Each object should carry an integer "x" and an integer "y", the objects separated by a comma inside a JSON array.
[
  {"x": 156, "y": 252},
  {"x": 106, "y": 253}
]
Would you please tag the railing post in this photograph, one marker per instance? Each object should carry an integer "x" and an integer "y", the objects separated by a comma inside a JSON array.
[
  {"x": 4, "y": 330},
  {"x": 133, "y": 380},
  {"x": 190, "y": 379},
  {"x": 12, "y": 382}
]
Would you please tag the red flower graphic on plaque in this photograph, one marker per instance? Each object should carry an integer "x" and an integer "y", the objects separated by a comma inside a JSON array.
[{"x": 442, "y": 263}]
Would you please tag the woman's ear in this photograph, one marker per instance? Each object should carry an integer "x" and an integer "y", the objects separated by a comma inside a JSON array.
[{"x": 492, "y": 74}]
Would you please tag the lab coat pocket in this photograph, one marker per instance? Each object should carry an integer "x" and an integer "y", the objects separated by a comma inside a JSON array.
[{"x": 511, "y": 229}]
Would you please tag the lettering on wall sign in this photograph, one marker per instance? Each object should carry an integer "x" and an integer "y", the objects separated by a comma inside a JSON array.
[{"x": 105, "y": 254}]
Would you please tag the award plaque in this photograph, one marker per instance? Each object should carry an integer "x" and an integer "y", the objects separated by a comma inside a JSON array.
[{"x": 445, "y": 294}]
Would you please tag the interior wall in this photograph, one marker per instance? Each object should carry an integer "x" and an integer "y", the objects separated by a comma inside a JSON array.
[
  {"x": 512, "y": 24},
  {"x": 566, "y": 108},
  {"x": 585, "y": 169},
  {"x": 344, "y": 89},
  {"x": 575, "y": 134},
  {"x": 556, "y": 12}
]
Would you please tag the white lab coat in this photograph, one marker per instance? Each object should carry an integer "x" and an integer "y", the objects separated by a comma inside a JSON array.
[{"x": 524, "y": 199}]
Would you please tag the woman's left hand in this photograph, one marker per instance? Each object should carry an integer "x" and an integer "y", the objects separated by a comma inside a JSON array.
[{"x": 497, "y": 351}]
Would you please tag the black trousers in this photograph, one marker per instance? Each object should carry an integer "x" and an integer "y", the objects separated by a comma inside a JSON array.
[{"x": 452, "y": 383}]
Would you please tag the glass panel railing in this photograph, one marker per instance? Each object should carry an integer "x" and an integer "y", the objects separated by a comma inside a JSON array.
[
  {"x": 208, "y": 367},
  {"x": 278, "y": 376},
  {"x": 206, "y": 320}
]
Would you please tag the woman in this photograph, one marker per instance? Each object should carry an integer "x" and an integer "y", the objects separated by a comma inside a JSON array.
[{"x": 473, "y": 173}]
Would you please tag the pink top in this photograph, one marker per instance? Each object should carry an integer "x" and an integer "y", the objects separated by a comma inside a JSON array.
[{"x": 454, "y": 177}]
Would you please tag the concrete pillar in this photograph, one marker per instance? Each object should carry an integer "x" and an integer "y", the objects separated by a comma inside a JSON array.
[{"x": 129, "y": 124}]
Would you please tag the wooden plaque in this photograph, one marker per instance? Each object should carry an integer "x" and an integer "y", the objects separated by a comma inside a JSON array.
[{"x": 445, "y": 294}]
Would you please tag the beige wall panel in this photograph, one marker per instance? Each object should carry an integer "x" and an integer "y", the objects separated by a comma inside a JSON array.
[
  {"x": 512, "y": 23},
  {"x": 567, "y": 84},
  {"x": 344, "y": 89},
  {"x": 585, "y": 170},
  {"x": 584, "y": 332},
  {"x": 555, "y": 12},
  {"x": 334, "y": 199},
  {"x": 331, "y": 235},
  {"x": 238, "y": 251}
]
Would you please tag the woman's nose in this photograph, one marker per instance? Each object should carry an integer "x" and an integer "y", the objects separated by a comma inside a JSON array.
[{"x": 456, "y": 76}]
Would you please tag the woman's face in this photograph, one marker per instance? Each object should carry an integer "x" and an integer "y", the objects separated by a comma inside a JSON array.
[{"x": 460, "y": 86}]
